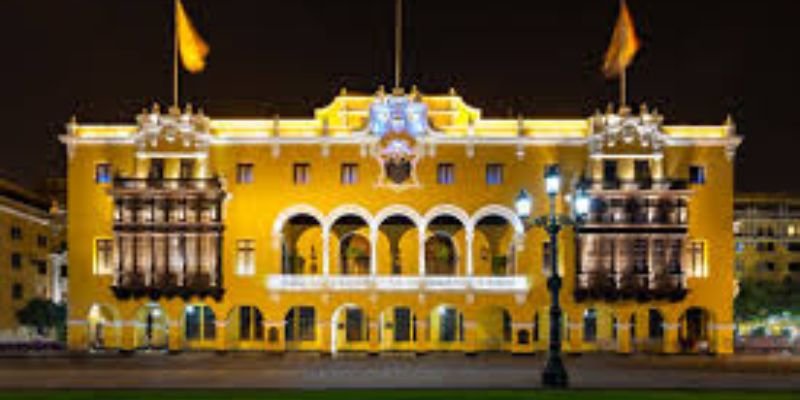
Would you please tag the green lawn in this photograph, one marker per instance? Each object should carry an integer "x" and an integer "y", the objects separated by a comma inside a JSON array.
[{"x": 391, "y": 395}]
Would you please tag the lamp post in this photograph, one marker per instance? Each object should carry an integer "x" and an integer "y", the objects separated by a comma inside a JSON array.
[{"x": 554, "y": 374}]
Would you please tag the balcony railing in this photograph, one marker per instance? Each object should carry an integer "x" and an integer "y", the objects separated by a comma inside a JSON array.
[
  {"x": 193, "y": 184},
  {"x": 167, "y": 285},
  {"x": 630, "y": 286},
  {"x": 639, "y": 184},
  {"x": 496, "y": 284}
]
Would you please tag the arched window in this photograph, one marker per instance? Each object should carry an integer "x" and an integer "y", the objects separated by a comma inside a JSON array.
[
  {"x": 440, "y": 255},
  {"x": 655, "y": 324},
  {"x": 200, "y": 323},
  {"x": 300, "y": 324},
  {"x": 251, "y": 323},
  {"x": 590, "y": 325}
]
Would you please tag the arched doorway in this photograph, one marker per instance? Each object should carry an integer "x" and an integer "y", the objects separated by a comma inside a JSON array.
[
  {"x": 300, "y": 328},
  {"x": 494, "y": 253},
  {"x": 694, "y": 331},
  {"x": 301, "y": 247},
  {"x": 655, "y": 331},
  {"x": 151, "y": 332},
  {"x": 494, "y": 328},
  {"x": 245, "y": 327},
  {"x": 349, "y": 329},
  {"x": 103, "y": 331},
  {"x": 446, "y": 327},
  {"x": 199, "y": 326},
  {"x": 398, "y": 329}
]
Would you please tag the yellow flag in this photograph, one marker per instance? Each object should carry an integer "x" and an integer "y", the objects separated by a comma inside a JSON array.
[
  {"x": 624, "y": 44},
  {"x": 192, "y": 47}
]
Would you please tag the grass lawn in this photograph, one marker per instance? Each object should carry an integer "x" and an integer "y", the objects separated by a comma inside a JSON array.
[{"x": 392, "y": 395}]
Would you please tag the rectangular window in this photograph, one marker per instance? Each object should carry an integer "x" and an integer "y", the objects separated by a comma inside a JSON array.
[
  {"x": 698, "y": 257},
  {"x": 354, "y": 325},
  {"x": 41, "y": 241},
  {"x": 697, "y": 175},
  {"x": 448, "y": 324},
  {"x": 794, "y": 267},
  {"x": 102, "y": 173},
  {"x": 156, "y": 169},
  {"x": 641, "y": 171},
  {"x": 244, "y": 323},
  {"x": 610, "y": 171},
  {"x": 402, "y": 324},
  {"x": 187, "y": 169},
  {"x": 16, "y": 291},
  {"x": 244, "y": 173},
  {"x": 16, "y": 260},
  {"x": 307, "y": 324},
  {"x": 349, "y": 174},
  {"x": 245, "y": 257},
  {"x": 445, "y": 174},
  {"x": 16, "y": 233},
  {"x": 494, "y": 174},
  {"x": 41, "y": 267},
  {"x": 104, "y": 254},
  {"x": 301, "y": 173},
  {"x": 640, "y": 253}
]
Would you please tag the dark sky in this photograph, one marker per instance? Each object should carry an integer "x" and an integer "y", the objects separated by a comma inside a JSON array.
[{"x": 104, "y": 59}]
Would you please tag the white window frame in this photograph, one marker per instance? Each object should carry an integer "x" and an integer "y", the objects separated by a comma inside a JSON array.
[{"x": 245, "y": 257}]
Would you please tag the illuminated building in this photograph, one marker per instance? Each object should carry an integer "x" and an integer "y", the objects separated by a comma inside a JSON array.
[
  {"x": 29, "y": 239},
  {"x": 386, "y": 223},
  {"x": 767, "y": 230}
]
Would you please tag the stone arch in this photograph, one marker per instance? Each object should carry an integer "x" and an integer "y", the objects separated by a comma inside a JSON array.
[
  {"x": 151, "y": 327},
  {"x": 244, "y": 323},
  {"x": 695, "y": 332},
  {"x": 348, "y": 209},
  {"x": 292, "y": 211},
  {"x": 397, "y": 209},
  {"x": 500, "y": 211},
  {"x": 103, "y": 324},
  {"x": 447, "y": 209}
]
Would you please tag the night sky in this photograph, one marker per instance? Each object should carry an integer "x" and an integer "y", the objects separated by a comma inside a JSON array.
[{"x": 105, "y": 59}]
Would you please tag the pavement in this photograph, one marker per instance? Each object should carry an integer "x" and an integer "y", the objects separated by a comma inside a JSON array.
[{"x": 311, "y": 371}]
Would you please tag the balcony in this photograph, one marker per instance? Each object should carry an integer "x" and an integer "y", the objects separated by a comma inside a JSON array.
[
  {"x": 135, "y": 285},
  {"x": 432, "y": 284},
  {"x": 639, "y": 185},
  {"x": 630, "y": 286}
]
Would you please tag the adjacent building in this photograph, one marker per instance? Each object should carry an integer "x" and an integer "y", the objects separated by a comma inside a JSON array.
[
  {"x": 386, "y": 222},
  {"x": 767, "y": 230},
  {"x": 28, "y": 239}
]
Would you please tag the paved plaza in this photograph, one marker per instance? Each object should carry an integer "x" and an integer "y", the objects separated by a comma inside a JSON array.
[{"x": 309, "y": 371}]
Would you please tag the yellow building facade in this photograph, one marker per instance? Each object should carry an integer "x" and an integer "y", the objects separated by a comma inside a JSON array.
[
  {"x": 767, "y": 231},
  {"x": 386, "y": 223}
]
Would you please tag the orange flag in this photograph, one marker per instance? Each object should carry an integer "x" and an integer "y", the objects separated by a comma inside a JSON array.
[
  {"x": 624, "y": 44},
  {"x": 192, "y": 47}
]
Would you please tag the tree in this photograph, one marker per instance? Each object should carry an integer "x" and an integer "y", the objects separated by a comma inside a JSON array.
[{"x": 43, "y": 315}]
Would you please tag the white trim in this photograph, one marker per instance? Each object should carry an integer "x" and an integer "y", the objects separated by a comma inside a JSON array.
[
  {"x": 447, "y": 209},
  {"x": 348, "y": 209},
  {"x": 344, "y": 283},
  {"x": 500, "y": 211},
  {"x": 397, "y": 210},
  {"x": 23, "y": 215}
]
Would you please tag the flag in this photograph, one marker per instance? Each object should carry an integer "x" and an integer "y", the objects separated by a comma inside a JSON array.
[
  {"x": 191, "y": 46},
  {"x": 624, "y": 44}
]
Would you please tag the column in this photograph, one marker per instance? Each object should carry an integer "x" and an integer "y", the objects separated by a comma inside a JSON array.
[
  {"x": 373, "y": 247},
  {"x": 671, "y": 345},
  {"x": 722, "y": 338},
  {"x": 374, "y": 322},
  {"x": 174, "y": 335},
  {"x": 421, "y": 248},
  {"x": 469, "y": 237},
  {"x": 623, "y": 333},
  {"x": 326, "y": 259},
  {"x": 127, "y": 332},
  {"x": 219, "y": 339}
]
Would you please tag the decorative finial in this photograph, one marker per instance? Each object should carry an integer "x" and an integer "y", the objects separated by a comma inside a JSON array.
[
  {"x": 156, "y": 108},
  {"x": 731, "y": 125},
  {"x": 414, "y": 90},
  {"x": 73, "y": 119},
  {"x": 643, "y": 109},
  {"x": 343, "y": 91},
  {"x": 381, "y": 91},
  {"x": 188, "y": 109},
  {"x": 452, "y": 91},
  {"x": 610, "y": 108}
]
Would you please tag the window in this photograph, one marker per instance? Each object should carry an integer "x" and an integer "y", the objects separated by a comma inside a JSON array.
[
  {"x": 104, "y": 253},
  {"x": 641, "y": 171},
  {"x": 16, "y": 233},
  {"x": 41, "y": 241},
  {"x": 793, "y": 246},
  {"x": 448, "y": 321},
  {"x": 697, "y": 175},
  {"x": 698, "y": 257},
  {"x": 791, "y": 231},
  {"x": 590, "y": 325},
  {"x": 156, "y": 169},
  {"x": 251, "y": 323},
  {"x": 200, "y": 323},
  {"x": 494, "y": 174},
  {"x": 610, "y": 171},
  {"x": 16, "y": 260},
  {"x": 507, "y": 326},
  {"x": 16, "y": 291},
  {"x": 445, "y": 174},
  {"x": 41, "y": 267},
  {"x": 655, "y": 325},
  {"x": 300, "y": 324},
  {"x": 187, "y": 169},
  {"x": 354, "y": 325},
  {"x": 794, "y": 267},
  {"x": 244, "y": 173},
  {"x": 640, "y": 255},
  {"x": 536, "y": 327},
  {"x": 245, "y": 257},
  {"x": 102, "y": 173},
  {"x": 349, "y": 174},
  {"x": 765, "y": 247},
  {"x": 402, "y": 324},
  {"x": 614, "y": 331},
  {"x": 302, "y": 173}
]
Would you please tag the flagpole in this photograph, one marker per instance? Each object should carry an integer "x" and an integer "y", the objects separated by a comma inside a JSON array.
[
  {"x": 623, "y": 87},
  {"x": 398, "y": 42},
  {"x": 175, "y": 55}
]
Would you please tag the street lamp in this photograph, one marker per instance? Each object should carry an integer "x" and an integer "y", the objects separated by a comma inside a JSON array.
[{"x": 554, "y": 374}]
